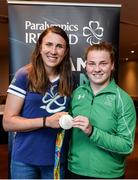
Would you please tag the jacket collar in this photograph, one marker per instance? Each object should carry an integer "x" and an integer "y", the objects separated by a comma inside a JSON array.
[{"x": 110, "y": 88}]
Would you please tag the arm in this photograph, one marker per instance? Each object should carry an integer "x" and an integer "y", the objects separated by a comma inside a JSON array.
[
  {"x": 12, "y": 121},
  {"x": 122, "y": 141}
]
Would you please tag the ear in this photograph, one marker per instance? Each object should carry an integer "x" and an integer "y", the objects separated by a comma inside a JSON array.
[{"x": 113, "y": 66}]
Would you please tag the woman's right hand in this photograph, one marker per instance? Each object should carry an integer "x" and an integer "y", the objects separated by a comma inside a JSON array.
[{"x": 53, "y": 120}]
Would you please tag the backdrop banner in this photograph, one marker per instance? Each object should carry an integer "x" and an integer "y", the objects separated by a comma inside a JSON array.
[{"x": 84, "y": 23}]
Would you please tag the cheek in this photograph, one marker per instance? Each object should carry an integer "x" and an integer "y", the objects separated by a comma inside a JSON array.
[
  {"x": 88, "y": 69},
  {"x": 62, "y": 53},
  {"x": 42, "y": 51},
  {"x": 107, "y": 69}
]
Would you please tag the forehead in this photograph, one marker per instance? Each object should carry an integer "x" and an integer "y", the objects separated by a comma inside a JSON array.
[
  {"x": 98, "y": 55},
  {"x": 53, "y": 37}
]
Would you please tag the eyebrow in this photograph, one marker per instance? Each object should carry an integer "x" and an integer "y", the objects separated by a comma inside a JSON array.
[{"x": 56, "y": 44}]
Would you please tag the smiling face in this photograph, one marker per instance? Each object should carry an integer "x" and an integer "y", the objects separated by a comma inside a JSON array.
[
  {"x": 53, "y": 49},
  {"x": 99, "y": 67}
]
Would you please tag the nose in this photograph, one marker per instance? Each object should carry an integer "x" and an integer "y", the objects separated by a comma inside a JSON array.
[
  {"x": 53, "y": 50},
  {"x": 97, "y": 68}
]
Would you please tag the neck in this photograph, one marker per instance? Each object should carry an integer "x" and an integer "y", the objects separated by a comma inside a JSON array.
[
  {"x": 51, "y": 73},
  {"x": 52, "y": 76},
  {"x": 97, "y": 87}
]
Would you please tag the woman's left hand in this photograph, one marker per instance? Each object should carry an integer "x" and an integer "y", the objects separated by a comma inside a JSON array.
[{"x": 82, "y": 122}]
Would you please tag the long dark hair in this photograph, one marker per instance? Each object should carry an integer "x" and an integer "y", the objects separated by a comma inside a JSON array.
[{"x": 38, "y": 79}]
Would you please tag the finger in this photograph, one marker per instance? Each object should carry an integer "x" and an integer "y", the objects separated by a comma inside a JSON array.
[{"x": 77, "y": 119}]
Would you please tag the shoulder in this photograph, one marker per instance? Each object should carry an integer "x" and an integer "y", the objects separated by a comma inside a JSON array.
[
  {"x": 21, "y": 75},
  {"x": 122, "y": 94},
  {"x": 80, "y": 88},
  {"x": 22, "y": 72},
  {"x": 125, "y": 102},
  {"x": 19, "y": 82},
  {"x": 80, "y": 91}
]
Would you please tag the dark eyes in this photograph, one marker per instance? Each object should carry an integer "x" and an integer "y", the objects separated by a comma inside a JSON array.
[
  {"x": 93, "y": 64},
  {"x": 59, "y": 45},
  {"x": 48, "y": 44},
  {"x": 90, "y": 64},
  {"x": 104, "y": 63},
  {"x": 51, "y": 44}
]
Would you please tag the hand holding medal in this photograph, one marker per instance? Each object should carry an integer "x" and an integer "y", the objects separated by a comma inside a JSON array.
[{"x": 66, "y": 121}]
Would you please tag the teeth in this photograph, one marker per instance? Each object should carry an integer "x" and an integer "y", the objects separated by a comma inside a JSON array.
[{"x": 98, "y": 75}]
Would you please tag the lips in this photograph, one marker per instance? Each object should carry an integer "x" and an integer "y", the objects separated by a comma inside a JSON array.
[
  {"x": 52, "y": 58},
  {"x": 98, "y": 75}
]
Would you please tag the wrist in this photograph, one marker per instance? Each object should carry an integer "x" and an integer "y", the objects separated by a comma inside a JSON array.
[
  {"x": 44, "y": 122},
  {"x": 91, "y": 131}
]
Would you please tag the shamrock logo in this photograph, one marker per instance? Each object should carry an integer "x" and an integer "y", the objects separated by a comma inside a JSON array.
[
  {"x": 51, "y": 99},
  {"x": 94, "y": 32}
]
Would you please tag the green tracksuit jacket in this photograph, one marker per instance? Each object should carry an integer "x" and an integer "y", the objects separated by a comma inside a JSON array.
[{"x": 112, "y": 115}]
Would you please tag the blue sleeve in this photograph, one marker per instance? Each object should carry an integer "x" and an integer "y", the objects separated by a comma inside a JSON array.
[{"x": 19, "y": 83}]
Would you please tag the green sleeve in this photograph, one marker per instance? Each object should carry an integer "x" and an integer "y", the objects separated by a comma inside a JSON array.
[{"x": 121, "y": 142}]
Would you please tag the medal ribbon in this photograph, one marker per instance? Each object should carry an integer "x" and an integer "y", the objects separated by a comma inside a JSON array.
[{"x": 59, "y": 142}]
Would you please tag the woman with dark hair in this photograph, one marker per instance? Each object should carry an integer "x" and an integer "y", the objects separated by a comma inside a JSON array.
[{"x": 38, "y": 96}]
